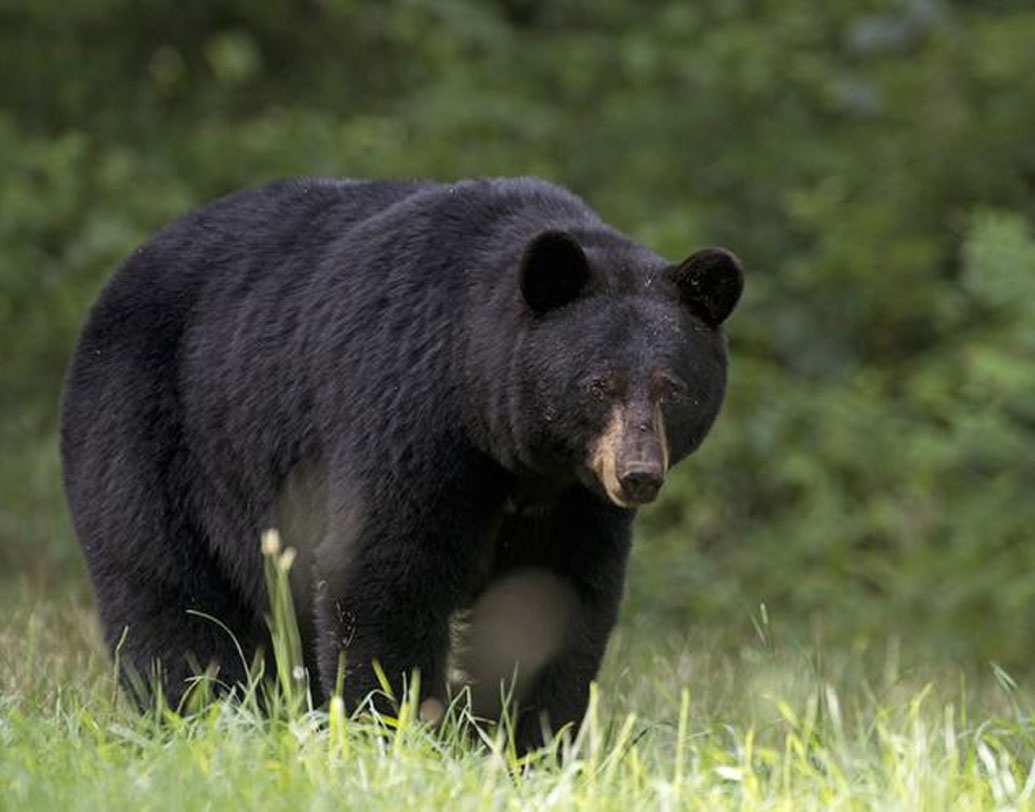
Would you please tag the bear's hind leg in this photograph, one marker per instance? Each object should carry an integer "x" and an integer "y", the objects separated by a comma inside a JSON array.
[{"x": 167, "y": 638}]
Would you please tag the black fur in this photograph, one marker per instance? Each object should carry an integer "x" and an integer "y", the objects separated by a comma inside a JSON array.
[{"x": 435, "y": 362}]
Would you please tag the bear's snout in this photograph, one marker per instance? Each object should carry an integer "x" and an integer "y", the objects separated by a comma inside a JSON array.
[
  {"x": 630, "y": 457},
  {"x": 640, "y": 484}
]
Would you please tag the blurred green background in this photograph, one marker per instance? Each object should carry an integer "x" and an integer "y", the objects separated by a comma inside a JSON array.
[{"x": 873, "y": 163}]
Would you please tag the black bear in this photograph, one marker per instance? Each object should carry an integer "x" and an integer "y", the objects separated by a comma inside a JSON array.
[{"x": 450, "y": 398}]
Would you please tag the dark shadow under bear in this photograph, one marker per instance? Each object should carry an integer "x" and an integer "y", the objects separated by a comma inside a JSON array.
[{"x": 448, "y": 397}]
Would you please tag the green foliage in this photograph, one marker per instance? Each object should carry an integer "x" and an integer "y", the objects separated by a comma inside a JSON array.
[
  {"x": 872, "y": 162},
  {"x": 897, "y": 499}
]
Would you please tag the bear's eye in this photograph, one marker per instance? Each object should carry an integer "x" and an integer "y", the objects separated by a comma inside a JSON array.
[
  {"x": 670, "y": 388},
  {"x": 602, "y": 387}
]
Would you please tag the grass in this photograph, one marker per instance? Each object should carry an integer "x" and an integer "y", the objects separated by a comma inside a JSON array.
[{"x": 674, "y": 724}]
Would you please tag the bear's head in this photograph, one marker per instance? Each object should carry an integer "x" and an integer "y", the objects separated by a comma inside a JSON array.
[{"x": 622, "y": 360}]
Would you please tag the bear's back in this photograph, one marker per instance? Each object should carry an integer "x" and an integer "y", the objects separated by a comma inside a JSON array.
[{"x": 229, "y": 280}]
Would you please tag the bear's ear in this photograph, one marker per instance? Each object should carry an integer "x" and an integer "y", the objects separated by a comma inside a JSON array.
[
  {"x": 710, "y": 282},
  {"x": 553, "y": 271}
]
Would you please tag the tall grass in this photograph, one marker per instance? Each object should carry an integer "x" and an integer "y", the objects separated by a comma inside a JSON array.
[{"x": 674, "y": 724}]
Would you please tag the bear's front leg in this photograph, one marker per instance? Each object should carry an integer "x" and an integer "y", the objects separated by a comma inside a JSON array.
[
  {"x": 386, "y": 586},
  {"x": 569, "y": 564}
]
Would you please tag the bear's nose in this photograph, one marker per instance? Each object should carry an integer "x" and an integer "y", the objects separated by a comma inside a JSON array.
[{"x": 640, "y": 484}]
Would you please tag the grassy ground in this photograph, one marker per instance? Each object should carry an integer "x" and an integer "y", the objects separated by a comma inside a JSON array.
[{"x": 673, "y": 725}]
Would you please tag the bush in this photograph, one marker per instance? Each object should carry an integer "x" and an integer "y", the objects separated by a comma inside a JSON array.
[{"x": 872, "y": 163}]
